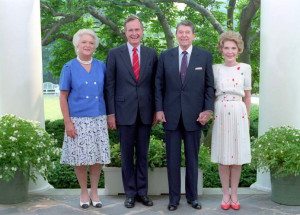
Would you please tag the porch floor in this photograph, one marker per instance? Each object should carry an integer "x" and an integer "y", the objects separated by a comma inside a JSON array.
[{"x": 66, "y": 201}]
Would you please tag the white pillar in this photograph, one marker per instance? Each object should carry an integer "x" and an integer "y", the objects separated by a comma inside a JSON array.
[
  {"x": 279, "y": 98},
  {"x": 21, "y": 64}
]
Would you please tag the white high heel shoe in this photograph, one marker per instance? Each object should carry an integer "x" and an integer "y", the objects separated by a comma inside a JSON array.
[
  {"x": 84, "y": 205},
  {"x": 97, "y": 204}
]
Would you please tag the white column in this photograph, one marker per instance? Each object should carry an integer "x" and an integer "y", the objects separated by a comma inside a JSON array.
[
  {"x": 21, "y": 64},
  {"x": 279, "y": 99}
]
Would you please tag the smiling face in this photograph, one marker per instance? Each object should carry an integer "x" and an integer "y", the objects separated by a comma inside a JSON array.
[
  {"x": 86, "y": 47},
  {"x": 185, "y": 36},
  {"x": 134, "y": 32},
  {"x": 230, "y": 52}
]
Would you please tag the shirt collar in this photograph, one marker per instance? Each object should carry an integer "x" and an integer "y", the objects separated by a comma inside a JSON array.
[
  {"x": 130, "y": 47},
  {"x": 189, "y": 50}
]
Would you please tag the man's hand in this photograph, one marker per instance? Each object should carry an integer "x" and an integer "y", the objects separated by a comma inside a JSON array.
[
  {"x": 204, "y": 117},
  {"x": 111, "y": 122},
  {"x": 160, "y": 116}
]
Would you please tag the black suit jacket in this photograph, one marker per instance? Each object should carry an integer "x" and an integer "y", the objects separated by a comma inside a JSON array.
[
  {"x": 125, "y": 96},
  {"x": 195, "y": 95}
]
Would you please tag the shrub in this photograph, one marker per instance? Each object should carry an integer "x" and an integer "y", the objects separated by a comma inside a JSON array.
[
  {"x": 254, "y": 121},
  {"x": 57, "y": 129},
  {"x": 24, "y": 146},
  {"x": 278, "y": 150},
  {"x": 158, "y": 132},
  {"x": 156, "y": 154}
]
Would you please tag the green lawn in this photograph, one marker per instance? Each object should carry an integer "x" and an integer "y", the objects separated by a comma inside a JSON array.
[{"x": 51, "y": 107}]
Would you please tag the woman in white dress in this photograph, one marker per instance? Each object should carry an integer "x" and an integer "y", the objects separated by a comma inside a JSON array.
[{"x": 230, "y": 138}]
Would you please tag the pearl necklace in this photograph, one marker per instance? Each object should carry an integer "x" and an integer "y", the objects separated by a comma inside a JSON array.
[{"x": 85, "y": 62}]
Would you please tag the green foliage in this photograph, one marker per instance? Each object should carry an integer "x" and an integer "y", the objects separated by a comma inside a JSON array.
[
  {"x": 157, "y": 153},
  {"x": 209, "y": 169},
  {"x": 57, "y": 129},
  {"x": 279, "y": 150},
  {"x": 26, "y": 147},
  {"x": 255, "y": 44},
  {"x": 248, "y": 175},
  {"x": 115, "y": 155},
  {"x": 62, "y": 176},
  {"x": 65, "y": 51},
  {"x": 254, "y": 114},
  {"x": 158, "y": 132},
  {"x": 62, "y": 50},
  {"x": 113, "y": 137}
]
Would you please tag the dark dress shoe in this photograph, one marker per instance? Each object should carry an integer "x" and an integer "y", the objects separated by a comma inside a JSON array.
[
  {"x": 129, "y": 202},
  {"x": 145, "y": 200},
  {"x": 195, "y": 204},
  {"x": 172, "y": 207}
]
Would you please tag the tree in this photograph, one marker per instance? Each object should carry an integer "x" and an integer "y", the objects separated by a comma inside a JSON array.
[{"x": 61, "y": 19}]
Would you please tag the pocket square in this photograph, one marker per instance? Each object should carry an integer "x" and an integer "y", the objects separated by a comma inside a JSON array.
[{"x": 198, "y": 68}]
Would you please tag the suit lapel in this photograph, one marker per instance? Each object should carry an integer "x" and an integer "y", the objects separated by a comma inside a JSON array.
[
  {"x": 143, "y": 63},
  {"x": 175, "y": 62},
  {"x": 126, "y": 59},
  {"x": 192, "y": 64}
]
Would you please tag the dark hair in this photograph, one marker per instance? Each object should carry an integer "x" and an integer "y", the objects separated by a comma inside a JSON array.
[
  {"x": 131, "y": 18},
  {"x": 186, "y": 23}
]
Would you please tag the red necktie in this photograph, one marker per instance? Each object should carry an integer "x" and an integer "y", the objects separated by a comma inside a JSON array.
[{"x": 135, "y": 64}]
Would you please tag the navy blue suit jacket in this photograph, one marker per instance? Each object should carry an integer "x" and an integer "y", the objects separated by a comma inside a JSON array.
[
  {"x": 125, "y": 96},
  {"x": 195, "y": 95}
]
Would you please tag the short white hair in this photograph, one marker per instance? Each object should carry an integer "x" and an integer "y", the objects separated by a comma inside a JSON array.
[{"x": 81, "y": 32}]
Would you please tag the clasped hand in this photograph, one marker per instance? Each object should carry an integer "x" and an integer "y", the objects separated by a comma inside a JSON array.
[{"x": 204, "y": 117}]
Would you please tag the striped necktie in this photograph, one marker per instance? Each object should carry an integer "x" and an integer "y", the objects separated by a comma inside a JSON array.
[
  {"x": 183, "y": 67},
  {"x": 135, "y": 63}
]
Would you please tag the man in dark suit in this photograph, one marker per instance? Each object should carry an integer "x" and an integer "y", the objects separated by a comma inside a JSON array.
[
  {"x": 129, "y": 94},
  {"x": 184, "y": 97}
]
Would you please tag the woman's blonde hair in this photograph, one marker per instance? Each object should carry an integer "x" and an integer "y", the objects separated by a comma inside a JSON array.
[{"x": 231, "y": 36}]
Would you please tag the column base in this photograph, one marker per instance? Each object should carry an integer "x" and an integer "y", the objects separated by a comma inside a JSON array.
[
  {"x": 263, "y": 181},
  {"x": 40, "y": 185}
]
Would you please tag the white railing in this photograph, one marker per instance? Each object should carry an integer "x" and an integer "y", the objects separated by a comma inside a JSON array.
[{"x": 50, "y": 88}]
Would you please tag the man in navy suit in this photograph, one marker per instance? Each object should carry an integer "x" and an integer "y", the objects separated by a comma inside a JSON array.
[
  {"x": 184, "y": 98},
  {"x": 129, "y": 94}
]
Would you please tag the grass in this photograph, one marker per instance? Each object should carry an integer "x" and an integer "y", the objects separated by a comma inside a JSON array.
[{"x": 51, "y": 107}]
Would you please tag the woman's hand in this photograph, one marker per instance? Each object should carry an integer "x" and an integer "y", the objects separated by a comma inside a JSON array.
[{"x": 70, "y": 129}]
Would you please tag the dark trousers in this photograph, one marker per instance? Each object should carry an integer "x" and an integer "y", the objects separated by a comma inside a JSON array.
[
  {"x": 191, "y": 148},
  {"x": 134, "y": 141}
]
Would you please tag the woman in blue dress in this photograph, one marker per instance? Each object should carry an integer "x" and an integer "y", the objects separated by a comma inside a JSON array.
[{"x": 83, "y": 108}]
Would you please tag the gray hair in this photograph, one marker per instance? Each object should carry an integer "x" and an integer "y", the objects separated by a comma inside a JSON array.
[
  {"x": 131, "y": 18},
  {"x": 81, "y": 32}
]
